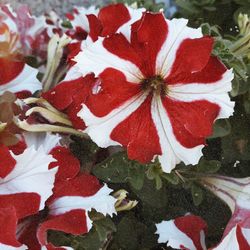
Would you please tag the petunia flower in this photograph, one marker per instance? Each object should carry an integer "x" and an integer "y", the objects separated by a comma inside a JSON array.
[
  {"x": 79, "y": 21},
  {"x": 27, "y": 233},
  {"x": 68, "y": 165},
  {"x": 235, "y": 192},
  {"x": 157, "y": 95},
  {"x": 18, "y": 77},
  {"x": 68, "y": 210},
  {"x": 92, "y": 22},
  {"x": 8, "y": 220},
  {"x": 70, "y": 93},
  {"x": 26, "y": 181},
  {"x": 186, "y": 232}
]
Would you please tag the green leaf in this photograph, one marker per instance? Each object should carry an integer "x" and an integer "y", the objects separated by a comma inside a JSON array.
[
  {"x": 155, "y": 172},
  {"x": 133, "y": 234},
  {"x": 211, "y": 167},
  {"x": 104, "y": 227},
  {"x": 115, "y": 169},
  {"x": 119, "y": 169},
  {"x": 84, "y": 150},
  {"x": 136, "y": 176},
  {"x": 172, "y": 178},
  {"x": 197, "y": 194},
  {"x": 158, "y": 182},
  {"x": 67, "y": 24},
  {"x": 221, "y": 128}
]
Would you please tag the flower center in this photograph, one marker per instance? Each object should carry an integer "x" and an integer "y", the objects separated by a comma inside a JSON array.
[{"x": 155, "y": 84}]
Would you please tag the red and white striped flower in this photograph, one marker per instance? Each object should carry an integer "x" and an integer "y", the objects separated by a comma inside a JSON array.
[
  {"x": 68, "y": 165},
  {"x": 158, "y": 94},
  {"x": 80, "y": 22},
  {"x": 68, "y": 210},
  {"x": 26, "y": 181},
  {"x": 187, "y": 232},
  {"x": 69, "y": 95},
  {"x": 18, "y": 77},
  {"x": 236, "y": 194},
  {"x": 27, "y": 234},
  {"x": 92, "y": 22}
]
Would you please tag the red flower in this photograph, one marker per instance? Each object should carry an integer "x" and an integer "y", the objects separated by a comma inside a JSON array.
[{"x": 158, "y": 94}]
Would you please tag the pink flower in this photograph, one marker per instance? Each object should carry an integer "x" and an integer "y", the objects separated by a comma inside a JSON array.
[
  {"x": 235, "y": 193},
  {"x": 187, "y": 232},
  {"x": 33, "y": 32},
  {"x": 158, "y": 93}
]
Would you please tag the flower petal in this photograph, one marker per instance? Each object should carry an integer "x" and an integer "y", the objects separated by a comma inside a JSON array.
[
  {"x": 30, "y": 178},
  {"x": 17, "y": 76},
  {"x": 138, "y": 133},
  {"x": 143, "y": 34},
  {"x": 187, "y": 232},
  {"x": 172, "y": 151},
  {"x": 113, "y": 17},
  {"x": 8, "y": 221},
  {"x": 100, "y": 128},
  {"x": 177, "y": 33},
  {"x": 237, "y": 239},
  {"x": 182, "y": 115},
  {"x": 7, "y": 162},
  {"x": 214, "y": 92},
  {"x": 99, "y": 56},
  {"x": 70, "y": 203},
  {"x": 187, "y": 60},
  {"x": 68, "y": 164}
]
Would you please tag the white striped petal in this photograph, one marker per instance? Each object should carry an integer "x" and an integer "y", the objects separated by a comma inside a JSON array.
[
  {"x": 100, "y": 128},
  {"x": 26, "y": 80},
  {"x": 177, "y": 32},
  {"x": 216, "y": 92},
  {"x": 45, "y": 140},
  {"x": 30, "y": 175},
  {"x": 135, "y": 15},
  {"x": 102, "y": 202},
  {"x": 172, "y": 151},
  {"x": 81, "y": 20},
  {"x": 95, "y": 59},
  {"x": 230, "y": 242}
]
